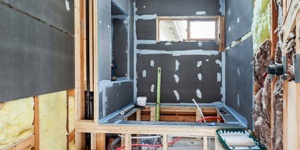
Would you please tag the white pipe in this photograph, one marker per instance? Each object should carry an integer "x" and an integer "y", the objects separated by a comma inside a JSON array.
[{"x": 199, "y": 109}]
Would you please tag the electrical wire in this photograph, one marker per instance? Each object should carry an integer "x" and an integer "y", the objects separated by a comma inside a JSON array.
[{"x": 172, "y": 142}]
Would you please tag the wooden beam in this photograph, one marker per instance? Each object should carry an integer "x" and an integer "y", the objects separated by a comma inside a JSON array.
[
  {"x": 205, "y": 143},
  {"x": 165, "y": 142},
  {"x": 152, "y": 113},
  {"x": 138, "y": 115},
  {"x": 128, "y": 141},
  {"x": 290, "y": 21},
  {"x": 27, "y": 143},
  {"x": 71, "y": 136},
  {"x": 87, "y": 126},
  {"x": 285, "y": 110},
  {"x": 95, "y": 52},
  {"x": 79, "y": 64},
  {"x": 2, "y": 104},
  {"x": 221, "y": 38},
  {"x": 36, "y": 122},
  {"x": 101, "y": 141}
]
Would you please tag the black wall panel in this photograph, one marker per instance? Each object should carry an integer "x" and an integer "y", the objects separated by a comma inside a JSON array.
[
  {"x": 238, "y": 20},
  {"x": 187, "y": 73},
  {"x": 34, "y": 57},
  {"x": 239, "y": 79},
  {"x": 59, "y": 13}
]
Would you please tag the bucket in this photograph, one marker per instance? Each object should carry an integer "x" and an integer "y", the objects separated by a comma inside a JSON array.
[{"x": 142, "y": 100}]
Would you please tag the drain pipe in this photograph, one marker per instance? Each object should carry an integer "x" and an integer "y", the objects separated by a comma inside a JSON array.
[{"x": 199, "y": 110}]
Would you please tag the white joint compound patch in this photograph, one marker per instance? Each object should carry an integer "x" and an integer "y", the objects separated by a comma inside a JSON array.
[
  {"x": 238, "y": 20},
  {"x": 177, "y": 64},
  {"x": 177, "y": 95},
  {"x": 219, "y": 77},
  {"x": 200, "y": 44},
  {"x": 168, "y": 44},
  {"x": 200, "y": 13},
  {"x": 176, "y": 77},
  {"x": 152, "y": 63},
  {"x": 152, "y": 88},
  {"x": 199, "y": 94},
  {"x": 144, "y": 73},
  {"x": 67, "y": 5},
  {"x": 199, "y": 63},
  {"x": 238, "y": 71},
  {"x": 219, "y": 62},
  {"x": 238, "y": 100},
  {"x": 222, "y": 7},
  {"x": 207, "y": 59},
  {"x": 199, "y": 76}
]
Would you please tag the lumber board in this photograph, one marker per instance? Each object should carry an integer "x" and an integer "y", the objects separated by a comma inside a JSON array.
[
  {"x": 79, "y": 47},
  {"x": 56, "y": 13},
  {"x": 36, "y": 57},
  {"x": 221, "y": 32},
  {"x": 95, "y": 62},
  {"x": 285, "y": 114},
  {"x": 100, "y": 141},
  {"x": 27, "y": 143},
  {"x": 87, "y": 126},
  {"x": 36, "y": 122},
  {"x": 127, "y": 141},
  {"x": 71, "y": 136},
  {"x": 2, "y": 105},
  {"x": 290, "y": 20}
]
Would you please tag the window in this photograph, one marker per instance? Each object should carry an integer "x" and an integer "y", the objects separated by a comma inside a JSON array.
[{"x": 188, "y": 28}]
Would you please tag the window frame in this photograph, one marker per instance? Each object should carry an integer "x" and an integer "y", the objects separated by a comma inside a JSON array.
[{"x": 189, "y": 19}]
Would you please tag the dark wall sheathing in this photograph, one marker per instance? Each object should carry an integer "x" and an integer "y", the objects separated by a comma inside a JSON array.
[
  {"x": 59, "y": 13},
  {"x": 35, "y": 58},
  {"x": 113, "y": 44},
  {"x": 189, "y": 84},
  {"x": 238, "y": 19},
  {"x": 122, "y": 5},
  {"x": 239, "y": 79},
  {"x": 120, "y": 47}
]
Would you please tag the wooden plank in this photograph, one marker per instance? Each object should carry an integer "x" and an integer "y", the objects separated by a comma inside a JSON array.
[
  {"x": 127, "y": 141},
  {"x": 101, "y": 140},
  {"x": 71, "y": 136},
  {"x": 205, "y": 143},
  {"x": 290, "y": 19},
  {"x": 88, "y": 126},
  {"x": 2, "y": 104},
  {"x": 165, "y": 142},
  {"x": 93, "y": 141},
  {"x": 221, "y": 38},
  {"x": 91, "y": 43},
  {"x": 79, "y": 47},
  {"x": 138, "y": 115},
  {"x": 36, "y": 122},
  {"x": 152, "y": 113},
  {"x": 292, "y": 126},
  {"x": 198, "y": 115},
  {"x": 285, "y": 120},
  {"x": 95, "y": 52},
  {"x": 298, "y": 116},
  {"x": 27, "y": 143},
  {"x": 284, "y": 8}
]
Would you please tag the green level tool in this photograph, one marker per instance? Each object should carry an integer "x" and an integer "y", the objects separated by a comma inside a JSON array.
[{"x": 158, "y": 94}]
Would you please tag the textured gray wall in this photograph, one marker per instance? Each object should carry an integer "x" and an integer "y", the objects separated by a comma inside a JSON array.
[
  {"x": 35, "y": 58},
  {"x": 198, "y": 73},
  {"x": 114, "y": 95},
  {"x": 59, "y": 13},
  {"x": 239, "y": 72},
  {"x": 123, "y": 5}
]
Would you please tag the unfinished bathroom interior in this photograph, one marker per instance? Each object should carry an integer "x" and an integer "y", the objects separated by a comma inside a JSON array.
[{"x": 76, "y": 74}]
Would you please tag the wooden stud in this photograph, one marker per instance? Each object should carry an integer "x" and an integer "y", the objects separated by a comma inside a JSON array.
[
  {"x": 27, "y": 143},
  {"x": 101, "y": 141},
  {"x": 217, "y": 143},
  {"x": 205, "y": 143},
  {"x": 219, "y": 116},
  {"x": 221, "y": 29},
  {"x": 285, "y": 120},
  {"x": 79, "y": 64},
  {"x": 152, "y": 113},
  {"x": 71, "y": 136},
  {"x": 95, "y": 52},
  {"x": 165, "y": 142},
  {"x": 198, "y": 115},
  {"x": 138, "y": 115},
  {"x": 127, "y": 141},
  {"x": 123, "y": 140},
  {"x": 36, "y": 123}
]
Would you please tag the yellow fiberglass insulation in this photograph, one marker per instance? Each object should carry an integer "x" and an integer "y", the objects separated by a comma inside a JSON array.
[
  {"x": 261, "y": 26},
  {"x": 16, "y": 118},
  {"x": 53, "y": 118}
]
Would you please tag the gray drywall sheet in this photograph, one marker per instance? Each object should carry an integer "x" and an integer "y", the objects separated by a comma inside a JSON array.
[
  {"x": 239, "y": 79},
  {"x": 182, "y": 77},
  {"x": 120, "y": 46},
  {"x": 104, "y": 40},
  {"x": 238, "y": 20},
  {"x": 35, "y": 58},
  {"x": 189, "y": 69},
  {"x": 121, "y": 5},
  {"x": 59, "y": 13}
]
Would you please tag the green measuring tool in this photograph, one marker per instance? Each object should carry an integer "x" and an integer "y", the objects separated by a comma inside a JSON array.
[{"x": 158, "y": 94}]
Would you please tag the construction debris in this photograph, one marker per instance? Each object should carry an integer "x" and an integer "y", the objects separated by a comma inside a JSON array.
[{"x": 289, "y": 50}]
